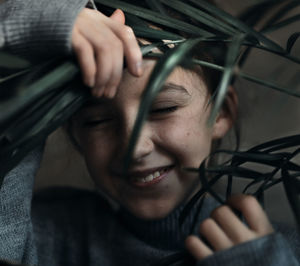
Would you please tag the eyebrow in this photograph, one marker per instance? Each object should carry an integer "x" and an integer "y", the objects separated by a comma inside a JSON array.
[
  {"x": 93, "y": 102},
  {"x": 169, "y": 86}
]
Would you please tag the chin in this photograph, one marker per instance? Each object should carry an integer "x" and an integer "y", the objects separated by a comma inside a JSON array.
[
  {"x": 150, "y": 216},
  {"x": 150, "y": 211}
]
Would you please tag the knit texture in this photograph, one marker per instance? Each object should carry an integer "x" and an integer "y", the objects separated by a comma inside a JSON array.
[
  {"x": 1, "y": 36},
  {"x": 28, "y": 27},
  {"x": 73, "y": 227},
  {"x": 268, "y": 250},
  {"x": 76, "y": 227},
  {"x": 15, "y": 203},
  {"x": 168, "y": 233}
]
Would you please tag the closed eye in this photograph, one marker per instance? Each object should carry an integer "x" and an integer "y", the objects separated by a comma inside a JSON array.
[
  {"x": 163, "y": 110},
  {"x": 94, "y": 123}
]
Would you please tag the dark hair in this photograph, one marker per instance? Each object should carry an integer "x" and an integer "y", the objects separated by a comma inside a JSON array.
[{"x": 210, "y": 51}]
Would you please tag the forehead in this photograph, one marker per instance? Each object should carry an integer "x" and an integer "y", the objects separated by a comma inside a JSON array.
[
  {"x": 181, "y": 80},
  {"x": 180, "y": 83}
]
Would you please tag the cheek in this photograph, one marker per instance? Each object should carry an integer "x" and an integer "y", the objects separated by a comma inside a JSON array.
[
  {"x": 188, "y": 139},
  {"x": 97, "y": 154},
  {"x": 96, "y": 149}
]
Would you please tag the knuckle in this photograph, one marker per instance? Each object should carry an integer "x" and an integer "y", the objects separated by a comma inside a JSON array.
[
  {"x": 92, "y": 12},
  {"x": 104, "y": 47},
  {"x": 77, "y": 42},
  {"x": 102, "y": 78},
  {"x": 80, "y": 49},
  {"x": 246, "y": 236},
  {"x": 127, "y": 33},
  {"x": 88, "y": 13},
  {"x": 118, "y": 44},
  {"x": 114, "y": 84},
  {"x": 111, "y": 86},
  {"x": 114, "y": 81},
  {"x": 90, "y": 72},
  {"x": 206, "y": 225},
  {"x": 220, "y": 211},
  {"x": 129, "y": 30},
  {"x": 248, "y": 201},
  {"x": 106, "y": 93}
]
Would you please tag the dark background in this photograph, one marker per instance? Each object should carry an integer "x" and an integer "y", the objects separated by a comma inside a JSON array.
[{"x": 264, "y": 115}]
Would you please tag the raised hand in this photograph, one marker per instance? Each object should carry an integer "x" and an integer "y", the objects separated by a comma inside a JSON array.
[
  {"x": 100, "y": 44},
  {"x": 224, "y": 229}
]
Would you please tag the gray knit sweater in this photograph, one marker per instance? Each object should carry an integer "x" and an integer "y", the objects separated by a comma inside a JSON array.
[{"x": 74, "y": 227}]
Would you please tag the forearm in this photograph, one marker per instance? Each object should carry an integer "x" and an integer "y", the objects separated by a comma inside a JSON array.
[
  {"x": 16, "y": 237},
  {"x": 38, "y": 28}
]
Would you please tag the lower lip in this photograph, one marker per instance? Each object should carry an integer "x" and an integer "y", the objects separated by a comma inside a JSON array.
[{"x": 152, "y": 182}]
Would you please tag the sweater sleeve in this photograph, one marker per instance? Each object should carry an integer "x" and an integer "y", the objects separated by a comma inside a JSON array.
[
  {"x": 36, "y": 29},
  {"x": 33, "y": 29},
  {"x": 271, "y": 250},
  {"x": 16, "y": 234}
]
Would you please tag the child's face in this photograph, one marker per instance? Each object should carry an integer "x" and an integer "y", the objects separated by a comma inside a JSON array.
[{"x": 175, "y": 135}]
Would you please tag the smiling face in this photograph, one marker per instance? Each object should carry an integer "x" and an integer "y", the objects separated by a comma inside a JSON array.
[{"x": 174, "y": 136}]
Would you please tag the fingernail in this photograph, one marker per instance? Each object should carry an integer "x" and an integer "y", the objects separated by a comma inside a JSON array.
[
  {"x": 90, "y": 82},
  {"x": 138, "y": 68},
  {"x": 106, "y": 95},
  {"x": 97, "y": 92},
  {"x": 109, "y": 93},
  {"x": 112, "y": 93}
]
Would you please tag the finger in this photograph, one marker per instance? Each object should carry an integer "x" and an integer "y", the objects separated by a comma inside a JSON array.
[
  {"x": 215, "y": 235},
  {"x": 108, "y": 51},
  {"x": 117, "y": 70},
  {"x": 132, "y": 50},
  {"x": 85, "y": 57},
  {"x": 231, "y": 225},
  {"x": 104, "y": 69},
  {"x": 103, "y": 48},
  {"x": 197, "y": 248},
  {"x": 253, "y": 213},
  {"x": 118, "y": 16}
]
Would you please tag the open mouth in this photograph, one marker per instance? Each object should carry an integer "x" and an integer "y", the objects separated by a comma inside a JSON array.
[{"x": 151, "y": 178}]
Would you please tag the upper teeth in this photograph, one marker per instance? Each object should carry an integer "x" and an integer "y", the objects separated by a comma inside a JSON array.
[{"x": 149, "y": 178}]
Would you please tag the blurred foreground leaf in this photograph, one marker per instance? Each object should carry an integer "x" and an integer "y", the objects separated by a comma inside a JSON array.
[{"x": 35, "y": 99}]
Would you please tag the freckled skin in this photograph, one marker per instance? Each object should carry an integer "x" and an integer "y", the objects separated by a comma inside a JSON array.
[{"x": 180, "y": 138}]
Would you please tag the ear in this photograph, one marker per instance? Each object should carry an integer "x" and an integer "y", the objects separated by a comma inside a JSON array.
[
  {"x": 227, "y": 115},
  {"x": 69, "y": 129}
]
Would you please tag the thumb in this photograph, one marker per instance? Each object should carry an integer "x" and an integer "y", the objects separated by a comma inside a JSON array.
[{"x": 118, "y": 16}]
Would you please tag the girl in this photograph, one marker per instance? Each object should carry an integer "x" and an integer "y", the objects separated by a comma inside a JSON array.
[{"x": 140, "y": 226}]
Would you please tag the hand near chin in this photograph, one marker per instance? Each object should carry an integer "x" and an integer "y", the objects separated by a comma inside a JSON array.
[
  {"x": 224, "y": 229},
  {"x": 100, "y": 44}
]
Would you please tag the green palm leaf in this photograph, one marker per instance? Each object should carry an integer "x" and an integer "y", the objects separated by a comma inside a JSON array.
[
  {"x": 243, "y": 28},
  {"x": 201, "y": 16},
  {"x": 156, "y": 17},
  {"x": 36, "y": 99},
  {"x": 161, "y": 71},
  {"x": 12, "y": 62},
  {"x": 231, "y": 61}
]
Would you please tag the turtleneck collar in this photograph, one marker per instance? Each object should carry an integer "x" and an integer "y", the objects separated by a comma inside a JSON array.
[{"x": 167, "y": 233}]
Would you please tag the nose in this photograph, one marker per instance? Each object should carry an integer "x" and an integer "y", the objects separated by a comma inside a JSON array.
[{"x": 144, "y": 144}]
